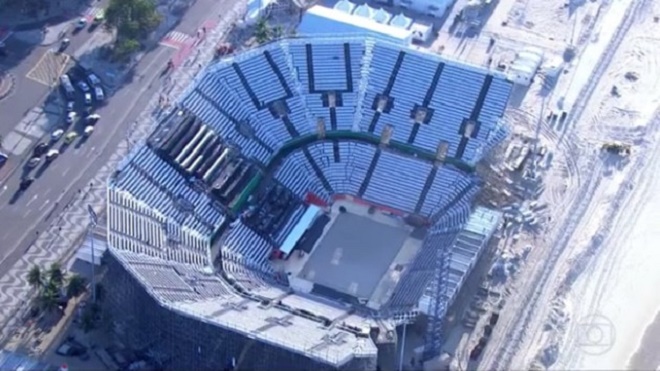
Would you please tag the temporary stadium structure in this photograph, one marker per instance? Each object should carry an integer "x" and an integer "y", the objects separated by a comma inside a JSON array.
[{"x": 196, "y": 212}]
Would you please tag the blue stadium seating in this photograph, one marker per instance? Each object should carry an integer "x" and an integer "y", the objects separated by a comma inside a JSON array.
[
  {"x": 309, "y": 70},
  {"x": 397, "y": 181},
  {"x": 297, "y": 175},
  {"x": 153, "y": 181},
  {"x": 244, "y": 246},
  {"x": 347, "y": 175}
]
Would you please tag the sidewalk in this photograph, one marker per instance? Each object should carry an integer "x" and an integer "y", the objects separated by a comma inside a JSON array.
[{"x": 59, "y": 242}]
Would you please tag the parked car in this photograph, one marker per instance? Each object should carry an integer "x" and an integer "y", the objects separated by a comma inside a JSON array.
[
  {"x": 88, "y": 99},
  {"x": 71, "y": 117},
  {"x": 40, "y": 149},
  {"x": 92, "y": 119},
  {"x": 89, "y": 130},
  {"x": 64, "y": 44},
  {"x": 56, "y": 135},
  {"x": 83, "y": 86},
  {"x": 52, "y": 155},
  {"x": 98, "y": 94},
  {"x": 33, "y": 162},
  {"x": 70, "y": 137},
  {"x": 65, "y": 83},
  {"x": 25, "y": 183},
  {"x": 3, "y": 159},
  {"x": 71, "y": 348},
  {"x": 70, "y": 105},
  {"x": 99, "y": 18},
  {"x": 81, "y": 23},
  {"x": 93, "y": 79}
]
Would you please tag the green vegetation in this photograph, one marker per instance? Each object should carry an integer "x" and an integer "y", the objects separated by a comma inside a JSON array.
[
  {"x": 134, "y": 20},
  {"x": 264, "y": 33},
  {"x": 50, "y": 285}
]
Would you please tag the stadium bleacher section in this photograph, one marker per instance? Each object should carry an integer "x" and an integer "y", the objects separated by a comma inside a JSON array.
[
  {"x": 383, "y": 87},
  {"x": 173, "y": 197}
]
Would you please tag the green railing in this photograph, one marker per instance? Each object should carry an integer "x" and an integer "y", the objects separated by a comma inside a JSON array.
[{"x": 305, "y": 140}]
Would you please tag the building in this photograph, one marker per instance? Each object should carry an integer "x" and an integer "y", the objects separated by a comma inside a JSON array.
[
  {"x": 433, "y": 8},
  {"x": 227, "y": 228},
  {"x": 349, "y": 19}
]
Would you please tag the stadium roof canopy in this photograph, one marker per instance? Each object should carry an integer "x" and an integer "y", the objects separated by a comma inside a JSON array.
[
  {"x": 319, "y": 20},
  {"x": 312, "y": 113}
]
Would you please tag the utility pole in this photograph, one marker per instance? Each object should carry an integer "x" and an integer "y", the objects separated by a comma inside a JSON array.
[
  {"x": 93, "y": 221},
  {"x": 403, "y": 345}
]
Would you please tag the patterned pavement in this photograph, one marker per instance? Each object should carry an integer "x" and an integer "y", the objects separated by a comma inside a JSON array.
[
  {"x": 49, "y": 68},
  {"x": 58, "y": 243}
]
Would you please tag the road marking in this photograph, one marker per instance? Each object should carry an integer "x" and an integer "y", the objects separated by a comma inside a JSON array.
[
  {"x": 176, "y": 39},
  {"x": 34, "y": 198},
  {"x": 49, "y": 67},
  {"x": 4, "y": 188},
  {"x": 44, "y": 205},
  {"x": 66, "y": 171}
]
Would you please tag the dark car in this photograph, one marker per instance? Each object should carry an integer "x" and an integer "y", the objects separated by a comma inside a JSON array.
[
  {"x": 26, "y": 183},
  {"x": 71, "y": 348},
  {"x": 40, "y": 149}
]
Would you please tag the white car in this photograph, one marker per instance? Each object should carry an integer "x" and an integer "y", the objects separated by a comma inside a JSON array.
[
  {"x": 34, "y": 161},
  {"x": 89, "y": 130},
  {"x": 52, "y": 155},
  {"x": 88, "y": 99},
  {"x": 82, "y": 22},
  {"x": 71, "y": 117},
  {"x": 56, "y": 135},
  {"x": 98, "y": 93},
  {"x": 93, "y": 79},
  {"x": 93, "y": 118},
  {"x": 83, "y": 86}
]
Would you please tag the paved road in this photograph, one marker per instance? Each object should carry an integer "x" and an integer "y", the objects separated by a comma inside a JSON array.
[
  {"x": 23, "y": 57},
  {"x": 24, "y": 215}
]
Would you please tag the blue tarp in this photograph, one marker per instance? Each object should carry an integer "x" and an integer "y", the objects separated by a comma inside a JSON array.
[{"x": 300, "y": 228}]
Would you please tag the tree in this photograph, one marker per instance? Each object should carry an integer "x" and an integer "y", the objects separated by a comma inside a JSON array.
[
  {"x": 35, "y": 277},
  {"x": 133, "y": 19},
  {"x": 124, "y": 48},
  {"x": 49, "y": 298},
  {"x": 75, "y": 286},
  {"x": 262, "y": 32},
  {"x": 55, "y": 275},
  {"x": 277, "y": 32}
]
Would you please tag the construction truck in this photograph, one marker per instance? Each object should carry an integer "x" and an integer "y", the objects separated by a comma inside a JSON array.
[{"x": 618, "y": 149}]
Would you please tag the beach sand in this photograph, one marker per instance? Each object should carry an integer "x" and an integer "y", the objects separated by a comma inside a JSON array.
[{"x": 647, "y": 356}]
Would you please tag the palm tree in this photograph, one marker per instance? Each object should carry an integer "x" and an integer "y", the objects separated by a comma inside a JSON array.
[
  {"x": 262, "y": 31},
  {"x": 75, "y": 286},
  {"x": 55, "y": 274},
  {"x": 277, "y": 32},
  {"x": 49, "y": 298},
  {"x": 35, "y": 277}
]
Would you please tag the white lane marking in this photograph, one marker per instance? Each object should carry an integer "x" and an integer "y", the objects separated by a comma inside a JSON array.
[
  {"x": 34, "y": 198},
  {"x": 44, "y": 205},
  {"x": 66, "y": 171},
  {"x": 27, "y": 212}
]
